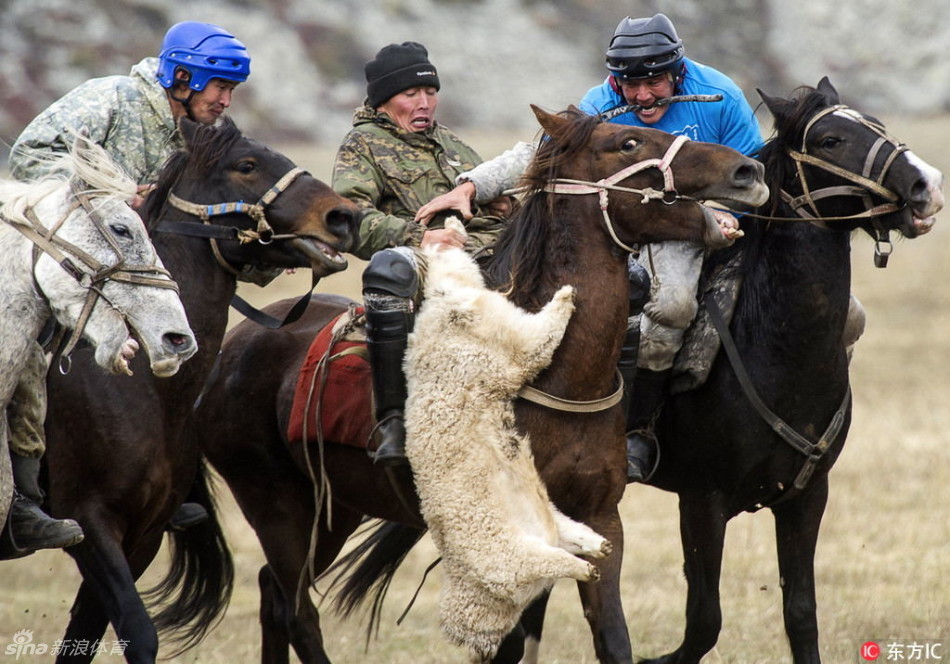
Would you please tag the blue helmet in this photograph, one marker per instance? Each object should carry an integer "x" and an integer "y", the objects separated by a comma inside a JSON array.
[{"x": 205, "y": 51}]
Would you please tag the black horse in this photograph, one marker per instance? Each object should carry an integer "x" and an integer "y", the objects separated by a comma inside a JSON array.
[
  {"x": 121, "y": 453},
  {"x": 723, "y": 454}
]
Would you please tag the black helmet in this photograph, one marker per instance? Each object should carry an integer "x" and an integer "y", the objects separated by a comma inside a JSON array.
[{"x": 644, "y": 48}]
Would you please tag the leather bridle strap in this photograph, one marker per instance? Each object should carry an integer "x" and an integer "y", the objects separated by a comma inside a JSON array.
[
  {"x": 602, "y": 187},
  {"x": 812, "y": 451}
]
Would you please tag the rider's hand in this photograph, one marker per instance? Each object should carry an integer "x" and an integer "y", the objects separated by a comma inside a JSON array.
[
  {"x": 500, "y": 207},
  {"x": 728, "y": 224},
  {"x": 141, "y": 192},
  {"x": 459, "y": 199},
  {"x": 443, "y": 238}
]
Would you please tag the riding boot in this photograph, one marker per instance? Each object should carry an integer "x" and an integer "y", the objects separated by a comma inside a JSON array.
[
  {"x": 186, "y": 516},
  {"x": 30, "y": 527},
  {"x": 649, "y": 393},
  {"x": 386, "y": 338}
]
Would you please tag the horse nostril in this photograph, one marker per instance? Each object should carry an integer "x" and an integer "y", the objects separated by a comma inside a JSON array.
[
  {"x": 748, "y": 174},
  {"x": 342, "y": 222},
  {"x": 178, "y": 343}
]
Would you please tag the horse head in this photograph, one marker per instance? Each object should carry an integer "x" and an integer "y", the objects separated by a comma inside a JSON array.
[
  {"x": 98, "y": 269},
  {"x": 841, "y": 165},
  {"x": 280, "y": 215},
  {"x": 649, "y": 182}
]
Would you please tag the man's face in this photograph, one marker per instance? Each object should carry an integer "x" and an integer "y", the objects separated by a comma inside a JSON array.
[
  {"x": 208, "y": 105},
  {"x": 413, "y": 109},
  {"x": 646, "y": 92}
]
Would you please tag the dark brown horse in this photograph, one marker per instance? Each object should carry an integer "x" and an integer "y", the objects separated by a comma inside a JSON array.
[
  {"x": 121, "y": 450},
  {"x": 721, "y": 453},
  {"x": 556, "y": 238}
]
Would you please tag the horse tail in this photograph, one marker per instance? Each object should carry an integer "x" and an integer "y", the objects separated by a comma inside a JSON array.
[
  {"x": 195, "y": 592},
  {"x": 368, "y": 569}
]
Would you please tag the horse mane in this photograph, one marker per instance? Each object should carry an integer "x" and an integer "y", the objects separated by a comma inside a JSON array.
[
  {"x": 85, "y": 163},
  {"x": 787, "y": 133},
  {"x": 204, "y": 148},
  {"x": 517, "y": 265}
]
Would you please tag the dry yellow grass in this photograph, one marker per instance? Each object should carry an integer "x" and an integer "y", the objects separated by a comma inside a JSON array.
[{"x": 883, "y": 559}]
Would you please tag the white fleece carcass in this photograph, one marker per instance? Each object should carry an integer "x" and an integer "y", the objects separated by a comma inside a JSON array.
[{"x": 502, "y": 540}]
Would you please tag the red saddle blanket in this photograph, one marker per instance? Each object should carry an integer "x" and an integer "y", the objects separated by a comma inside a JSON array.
[{"x": 334, "y": 388}]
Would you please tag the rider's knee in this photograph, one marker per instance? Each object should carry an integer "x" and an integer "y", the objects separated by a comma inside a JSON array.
[
  {"x": 391, "y": 277},
  {"x": 854, "y": 325},
  {"x": 674, "y": 306}
]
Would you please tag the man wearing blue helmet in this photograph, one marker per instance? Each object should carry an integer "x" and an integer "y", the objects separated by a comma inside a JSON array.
[{"x": 135, "y": 119}]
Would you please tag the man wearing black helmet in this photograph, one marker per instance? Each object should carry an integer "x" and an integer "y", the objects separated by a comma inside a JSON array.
[
  {"x": 646, "y": 67},
  {"x": 134, "y": 118}
]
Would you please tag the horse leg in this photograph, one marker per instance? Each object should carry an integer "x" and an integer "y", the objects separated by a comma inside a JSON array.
[
  {"x": 87, "y": 622},
  {"x": 108, "y": 590},
  {"x": 281, "y": 513},
  {"x": 523, "y": 644},
  {"x": 796, "y": 532},
  {"x": 703, "y": 521},
  {"x": 601, "y": 601},
  {"x": 275, "y": 631}
]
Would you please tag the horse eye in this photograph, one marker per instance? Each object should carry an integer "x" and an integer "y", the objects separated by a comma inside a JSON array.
[
  {"x": 121, "y": 230},
  {"x": 829, "y": 142},
  {"x": 629, "y": 146},
  {"x": 245, "y": 167}
]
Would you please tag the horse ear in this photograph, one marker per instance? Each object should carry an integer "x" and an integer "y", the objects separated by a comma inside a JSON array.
[
  {"x": 188, "y": 128},
  {"x": 828, "y": 90},
  {"x": 777, "y": 105},
  {"x": 549, "y": 121}
]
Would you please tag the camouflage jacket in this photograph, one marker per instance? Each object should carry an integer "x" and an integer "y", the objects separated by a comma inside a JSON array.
[
  {"x": 390, "y": 173},
  {"x": 127, "y": 115}
]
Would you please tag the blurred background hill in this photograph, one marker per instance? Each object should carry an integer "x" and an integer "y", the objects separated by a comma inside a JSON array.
[{"x": 494, "y": 56}]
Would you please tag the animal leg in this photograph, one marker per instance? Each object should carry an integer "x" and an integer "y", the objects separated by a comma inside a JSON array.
[
  {"x": 796, "y": 531},
  {"x": 544, "y": 330},
  {"x": 577, "y": 538},
  {"x": 110, "y": 591},
  {"x": 87, "y": 621},
  {"x": 702, "y": 533},
  {"x": 275, "y": 618},
  {"x": 602, "y": 603}
]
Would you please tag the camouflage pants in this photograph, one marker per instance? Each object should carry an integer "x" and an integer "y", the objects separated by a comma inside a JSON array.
[{"x": 26, "y": 411}]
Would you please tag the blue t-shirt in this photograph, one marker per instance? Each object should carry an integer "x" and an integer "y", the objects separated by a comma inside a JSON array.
[{"x": 729, "y": 122}]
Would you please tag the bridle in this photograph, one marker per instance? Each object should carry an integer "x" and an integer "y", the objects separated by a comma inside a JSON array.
[
  {"x": 89, "y": 273},
  {"x": 263, "y": 233},
  {"x": 602, "y": 187},
  {"x": 805, "y": 205}
]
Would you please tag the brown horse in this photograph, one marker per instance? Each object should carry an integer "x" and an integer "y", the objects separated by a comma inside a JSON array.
[
  {"x": 121, "y": 450},
  {"x": 556, "y": 238}
]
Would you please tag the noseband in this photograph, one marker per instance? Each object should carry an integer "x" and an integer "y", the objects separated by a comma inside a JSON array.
[
  {"x": 264, "y": 233},
  {"x": 602, "y": 187},
  {"x": 90, "y": 274},
  {"x": 866, "y": 184}
]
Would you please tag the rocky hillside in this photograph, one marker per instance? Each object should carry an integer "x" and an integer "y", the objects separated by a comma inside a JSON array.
[{"x": 494, "y": 56}]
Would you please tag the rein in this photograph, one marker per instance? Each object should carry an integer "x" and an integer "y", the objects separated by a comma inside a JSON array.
[
  {"x": 813, "y": 451},
  {"x": 91, "y": 274},
  {"x": 264, "y": 234}
]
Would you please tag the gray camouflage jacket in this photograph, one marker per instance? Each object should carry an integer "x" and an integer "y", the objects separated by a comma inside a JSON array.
[
  {"x": 127, "y": 115},
  {"x": 390, "y": 173}
]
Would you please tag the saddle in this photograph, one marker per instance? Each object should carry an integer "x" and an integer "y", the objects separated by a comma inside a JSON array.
[
  {"x": 701, "y": 342},
  {"x": 333, "y": 399}
]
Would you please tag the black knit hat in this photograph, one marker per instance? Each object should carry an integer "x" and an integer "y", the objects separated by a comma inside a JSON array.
[{"x": 398, "y": 67}]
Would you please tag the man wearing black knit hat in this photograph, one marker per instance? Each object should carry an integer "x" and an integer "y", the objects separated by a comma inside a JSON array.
[{"x": 395, "y": 159}]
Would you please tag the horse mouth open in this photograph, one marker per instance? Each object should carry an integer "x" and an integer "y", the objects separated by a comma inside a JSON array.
[{"x": 323, "y": 258}]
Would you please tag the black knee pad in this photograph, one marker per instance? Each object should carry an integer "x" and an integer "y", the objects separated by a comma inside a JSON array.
[
  {"x": 639, "y": 286},
  {"x": 391, "y": 273}
]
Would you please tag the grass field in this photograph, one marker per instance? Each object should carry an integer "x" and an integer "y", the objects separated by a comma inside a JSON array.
[{"x": 883, "y": 562}]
